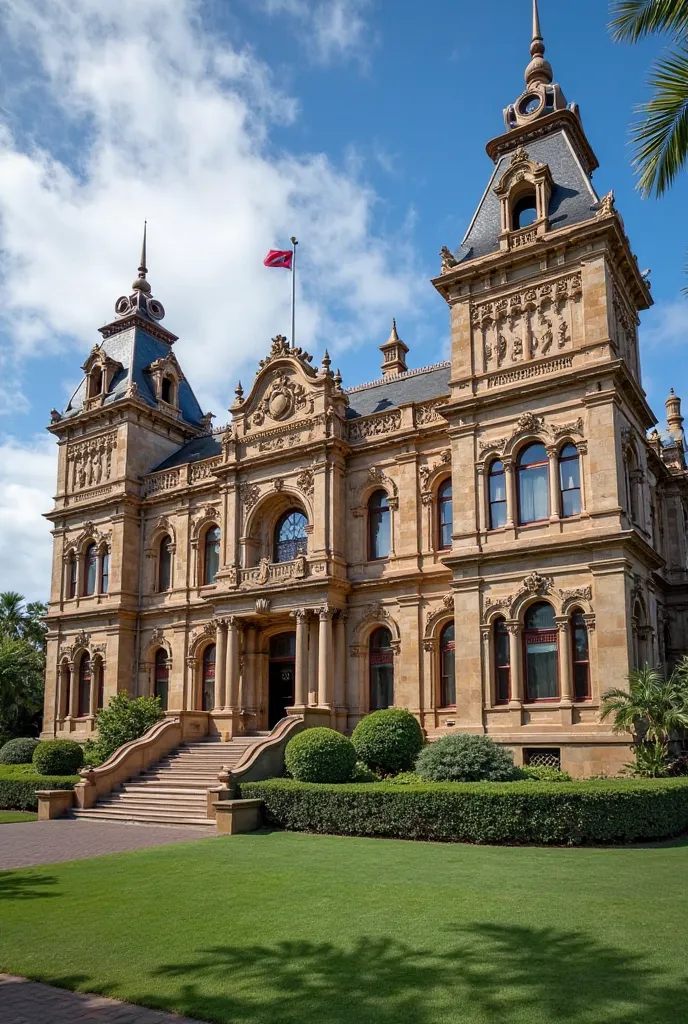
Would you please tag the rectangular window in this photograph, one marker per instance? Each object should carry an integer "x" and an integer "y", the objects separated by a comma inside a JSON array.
[
  {"x": 539, "y": 757},
  {"x": 497, "y": 500}
]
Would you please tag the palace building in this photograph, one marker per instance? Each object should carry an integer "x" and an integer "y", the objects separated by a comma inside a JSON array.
[{"x": 490, "y": 542}]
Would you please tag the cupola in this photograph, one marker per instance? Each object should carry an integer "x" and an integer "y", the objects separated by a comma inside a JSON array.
[{"x": 394, "y": 354}]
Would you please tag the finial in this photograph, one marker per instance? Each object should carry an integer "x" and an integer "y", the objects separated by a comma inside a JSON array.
[
  {"x": 338, "y": 378},
  {"x": 326, "y": 362},
  {"x": 537, "y": 47},
  {"x": 539, "y": 71},
  {"x": 393, "y": 334},
  {"x": 239, "y": 392},
  {"x": 141, "y": 284}
]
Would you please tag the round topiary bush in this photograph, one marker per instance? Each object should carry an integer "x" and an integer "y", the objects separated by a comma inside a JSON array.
[
  {"x": 388, "y": 741},
  {"x": 58, "y": 757},
  {"x": 320, "y": 755},
  {"x": 465, "y": 758},
  {"x": 18, "y": 751}
]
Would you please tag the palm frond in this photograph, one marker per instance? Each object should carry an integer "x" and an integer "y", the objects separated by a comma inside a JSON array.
[
  {"x": 635, "y": 19},
  {"x": 661, "y": 136}
]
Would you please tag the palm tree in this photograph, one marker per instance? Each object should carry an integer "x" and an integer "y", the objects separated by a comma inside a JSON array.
[
  {"x": 12, "y": 613},
  {"x": 652, "y": 709},
  {"x": 661, "y": 135}
]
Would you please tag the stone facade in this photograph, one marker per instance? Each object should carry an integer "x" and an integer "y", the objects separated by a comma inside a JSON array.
[{"x": 171, "y": 569}]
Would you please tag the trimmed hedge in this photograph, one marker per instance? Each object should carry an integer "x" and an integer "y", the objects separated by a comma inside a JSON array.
[
  {"x": 58, "y": 757},
  {"x": 320, "y": 755},
  {"x": 577, "y": 814},
  {"x": 18, "y": 792},
  {"x": 465, "y": 758},
  {"x": 19, "y": 751},
  {"x": 388, "y": 741}
]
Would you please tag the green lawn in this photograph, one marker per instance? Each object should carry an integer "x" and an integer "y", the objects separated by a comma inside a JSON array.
[
  {"x": 295, "y": 929},
  {"x": 10, "y": 817}
]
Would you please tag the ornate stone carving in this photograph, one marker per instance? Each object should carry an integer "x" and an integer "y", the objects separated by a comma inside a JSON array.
[
  {"x": 278, "y": 484},
  {"x": 427, "y": 413},
  {"x": 284, "y": 398},
  {"x": 165, "y": 481},
  {"x": 497, "y": 445},
  {"x": 372, "y": 613},
  {"x": 499, "y": 380},
  {"x": 202, "y": 470},
  {"x": 374, "y": 426},
  {"x": 205, "y": 513},
  {"x": 90, "y": 462},
  {"x": 448, "y": 260},
  {"x": 377, "y": 475},
  {"x": 426, "y": 473},
  {"x": 575, "y": 427},
  {"x": 579, "y": 594},
  {"x": 262, "y": 606},
  {"x": 606, "y": 205},
  {"x": 282, "y": 349},
  {"x": 249, "y": 494},
  {"x": 529, "y": 423},
  {"x": 446, "y": 605},
  {"x": 537, "y": 584},
  {"x": 305, "y": 482}
]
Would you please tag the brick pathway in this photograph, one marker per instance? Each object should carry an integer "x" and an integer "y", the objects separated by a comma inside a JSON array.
[
  {"x": 28, "y": 1002},
  {"x": 47, "y": 842}
]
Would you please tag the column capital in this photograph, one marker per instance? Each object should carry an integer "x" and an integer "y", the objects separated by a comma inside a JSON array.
[
  {"x": 300, "y": 614},
  {"x": 325, "y": 613},
  {"x": 514, "y": 627},
  {"x": 562, "y": 623}
]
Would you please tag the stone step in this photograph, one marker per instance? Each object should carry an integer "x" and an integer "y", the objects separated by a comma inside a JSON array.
[
  {"x": 169, "y": 789},
  {"x": 152, "y": 817},
  {"x": 175, "y": 804}
]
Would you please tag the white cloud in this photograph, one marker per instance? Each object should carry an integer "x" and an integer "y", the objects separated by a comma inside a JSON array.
[
  {"x": 27, "y": 483},
  {"x": 336, "y": 28},
  {"x": 666, "y": 325},
  {"x": 172, "y": 123}
]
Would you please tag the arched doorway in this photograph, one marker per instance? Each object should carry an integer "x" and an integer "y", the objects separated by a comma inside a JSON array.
[
  {"x": 162, "y": 677},
  {"x": 281, "y": 677},
  {"x": 381, "y": 661}
]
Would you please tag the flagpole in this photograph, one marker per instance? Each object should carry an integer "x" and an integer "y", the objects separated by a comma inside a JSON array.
[{"x": 293, "y": 293}]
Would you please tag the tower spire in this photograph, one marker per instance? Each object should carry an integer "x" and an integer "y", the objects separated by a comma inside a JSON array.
[
  {"x": 537, "y": 31},
  {"x": 141, "y": 284},
  {"x": 539, "y": 71}
]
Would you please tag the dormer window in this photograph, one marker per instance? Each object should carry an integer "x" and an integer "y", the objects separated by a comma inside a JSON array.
[
  {"x": 96, "y": 382},
  {"x": 524, "y": 192},
  {"x": 167, "y": 390},
  {"x": 524, "y": 212}
]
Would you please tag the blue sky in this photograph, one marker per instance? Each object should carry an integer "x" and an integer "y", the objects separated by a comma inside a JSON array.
[{"x": 359, "y": 125}]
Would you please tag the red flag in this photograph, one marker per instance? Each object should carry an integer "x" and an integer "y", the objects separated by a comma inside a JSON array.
[{"x": 279, "y": 258}]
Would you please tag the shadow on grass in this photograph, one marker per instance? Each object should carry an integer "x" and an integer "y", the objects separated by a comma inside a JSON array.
[
  {"x": 504, "y": 974},
  {"x": 15, "y": 886}
]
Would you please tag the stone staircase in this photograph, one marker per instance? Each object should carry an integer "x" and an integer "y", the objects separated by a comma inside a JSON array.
[{"x": 174, "y": 790}]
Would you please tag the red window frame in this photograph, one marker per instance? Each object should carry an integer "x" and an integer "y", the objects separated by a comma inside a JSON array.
[{"x": 578, "y": 623}]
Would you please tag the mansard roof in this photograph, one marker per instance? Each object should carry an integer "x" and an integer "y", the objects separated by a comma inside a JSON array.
[
  {"x": 401, "y": 389},
  {"x": 573, "y": 198},
  {"x": 136, "y": 349},
  {"x": 206, "y": 447}
]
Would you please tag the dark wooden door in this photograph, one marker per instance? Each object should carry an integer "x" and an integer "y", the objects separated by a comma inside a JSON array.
[{"x": 281, "y": 694}]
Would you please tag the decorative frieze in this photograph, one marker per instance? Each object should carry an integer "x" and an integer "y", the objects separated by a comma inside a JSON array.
[
  {"x": 428, "y": 413},
  {"x": 249, "y": 494},
  {"x": 374, "y": 426},
  {"x": 203, "y": 470},
  {"x": 166, "y": 481},
  {"x": 446, "y": 606},
  {"x": 578, "y": 594},
  {"x": 538, "y": 369},
  {"x": 305, "y": 482},
  {"x": 268, "y": 573},
  {"x": 90, "y": 462},
  {"x": 575, "y": 427}
]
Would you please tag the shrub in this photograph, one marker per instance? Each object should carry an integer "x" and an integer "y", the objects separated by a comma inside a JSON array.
[
  {"x": 405, "y": 779},
  {"x": 388, "y": 741},
  {"x": 543, "y": 773},
  {"x": 58, "y": 757},
  {"x": 465, "y": 758},
  {"x": 580, "y": 813},
  {"x": 18, "y": 751},
  {"x": 320, "y": 755},
  {"x": 18, "y": 792},
  {"x": 122, "y": 721},
  {"x": 362, "y": 773}
]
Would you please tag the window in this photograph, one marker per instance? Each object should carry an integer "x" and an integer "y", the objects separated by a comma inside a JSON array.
[
  {"x": 211, "y": 559},
  {"x": 381, "y": 659},
  {"x": 165, "y": 563},
  {"x": 73, "y": 565},
  {"x": 379, "y": 526},
  {"x": 497, "y": 485},
  {"x": 162, "y": 677},
  {"x": 542, "y": 757},
  {"x": 569, "y": 481},
  {"x": 502, "y": 657},
  {"x": 90, "y": 570},
  {"x": 84, "y": 686},
  {"x": 447, "y": 667},
  {"x": 541, "y": 653},
  {"x": 445, "y": 514},
  {"x": 524, "y": 212},
  {"x": 208, "y": 681},
  {"x": 96, "y": 382},
  {"x": 291, "y": 539},
  {"x": 100, "y": 669},
  {"x": 533, "y": 484},
  {"x": 104, "y": 571},
  {"x": 167, "y": 390},
  {"x": 581, "y": 657}
]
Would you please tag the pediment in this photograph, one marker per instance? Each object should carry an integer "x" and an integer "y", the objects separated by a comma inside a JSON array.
[
  {"x": 281, "y": 393},
  {"x": 97, "y": 357}
]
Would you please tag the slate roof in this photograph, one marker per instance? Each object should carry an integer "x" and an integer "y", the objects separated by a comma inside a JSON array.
[
  {"x": 206, "y": 447},
  {"x": 135, "y": 349},
  {"x": 573, "y": 197},
  {"x": 413, "y": 386}
]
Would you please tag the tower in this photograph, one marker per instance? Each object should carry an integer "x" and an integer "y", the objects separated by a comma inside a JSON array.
[{"x": 547, "y": 419}]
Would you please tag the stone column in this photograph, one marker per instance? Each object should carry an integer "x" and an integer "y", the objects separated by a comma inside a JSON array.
[
  {"x": 249, "y": 689},
  {"x": 96, "y": 669},
  {"x": 313, "y": 661},
  {"x": 515, "y": 664},
  {"x": 340, "y": 660},
  {"x": 554, "y": 496},
  {"x": 489, "y": 671},
  {"x": 233, "y": 663},
  {"x": 301, "y": 667},
  {"x": 325, "y": 681},
  {"x": 511, "y": 500},
  {"x": 564, "y": 654},
  {"x": 73, "y": 709},
  {"x": 483, "y": 523},
  {"x": 220, "y": 664}
]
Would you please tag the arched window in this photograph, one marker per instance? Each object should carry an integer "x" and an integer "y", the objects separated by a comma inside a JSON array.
[
  {"x": 533, "y": 484},
  {"x": 73, "y": 566},
  {"x": 445, "y": 518},
  {"x": 524, "y": 212},
  {"x": 162, "y": 677},
  {"x": 381, "y": 658},
  {"x": 497, "y": 485},
  {"x": 84, "y": 686},
  {"x": 502, "y": 658},
  {"x": 581, "y": 657},
  {"x": 165, "y": 563},
  {"x": 96, "y": 382},
  {"x": 569, "y": 481},
  {"x": 208, "y": 681},
  {"x": 291, "y": 539},
  {"x": 104, "y": 571},
  {"x": 540, "y": 639},
  {"x": 100, "y": 670},
  {"x": 379, "y": 526},
  {"x": 211, "y": 556},
  {"x": 447, "y": 667},
  {"x": 90, "y": 570},
  {"x": 167, "y": 390}
]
